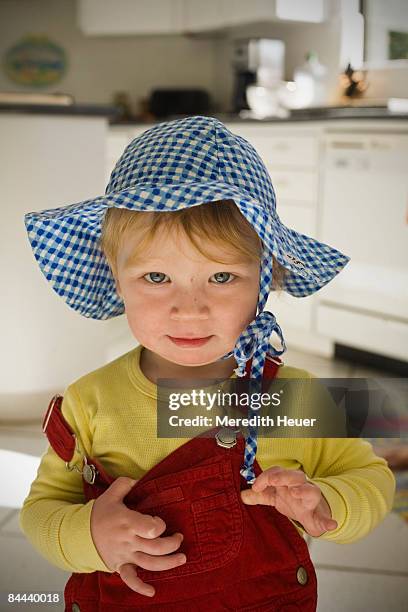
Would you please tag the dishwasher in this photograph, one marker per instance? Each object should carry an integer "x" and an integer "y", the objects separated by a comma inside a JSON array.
[{"x": 364, "y": 212}]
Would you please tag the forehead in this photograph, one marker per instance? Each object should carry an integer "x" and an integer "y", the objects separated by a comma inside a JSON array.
[{"x": 173, "y": 247}]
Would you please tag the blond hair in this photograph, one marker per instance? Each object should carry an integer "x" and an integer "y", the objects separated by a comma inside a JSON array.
[{"x": 219, "y": 222}]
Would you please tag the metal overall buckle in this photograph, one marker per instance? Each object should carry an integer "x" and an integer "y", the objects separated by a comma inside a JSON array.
[
  {"x": 226, "y": 437},
  {"x": 278, "y": 363},
  {"x": 89, "y": 471}
]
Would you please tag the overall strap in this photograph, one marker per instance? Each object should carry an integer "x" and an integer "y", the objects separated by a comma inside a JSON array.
[
  {"x": 59, "y": 433},
  {"x": 272, "y": 363}
]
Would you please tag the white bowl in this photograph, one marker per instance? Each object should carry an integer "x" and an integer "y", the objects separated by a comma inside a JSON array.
[{"x": 263, "y": 101}]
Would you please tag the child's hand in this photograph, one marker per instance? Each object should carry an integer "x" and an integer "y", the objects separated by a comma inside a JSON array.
[
  {"x": 126, "y": 538},
  {"x": 293, "y": 496}
]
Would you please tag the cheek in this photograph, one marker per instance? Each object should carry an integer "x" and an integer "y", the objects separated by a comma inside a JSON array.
[
  {"x": 236, "y": 313},
  {"x": 143, "y": 313}
]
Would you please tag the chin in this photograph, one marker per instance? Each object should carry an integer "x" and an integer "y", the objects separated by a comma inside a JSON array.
[
  {"x": 193, "y": 357},
  {"x": 191, "y": 360}
]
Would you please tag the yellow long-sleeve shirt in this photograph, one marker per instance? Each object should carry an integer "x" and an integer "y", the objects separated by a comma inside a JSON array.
[{"x": 113, "y": 413}]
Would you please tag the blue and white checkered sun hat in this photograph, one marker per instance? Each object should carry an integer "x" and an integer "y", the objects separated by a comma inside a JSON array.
[{"x": 171, "y": 166}]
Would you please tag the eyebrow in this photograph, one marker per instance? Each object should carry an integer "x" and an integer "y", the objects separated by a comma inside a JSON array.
[
  {"x": 157, "y": 263},
  {"x": 135, "y": 262}
]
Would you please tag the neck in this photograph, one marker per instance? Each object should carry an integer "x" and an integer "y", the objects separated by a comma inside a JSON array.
[{"x": 153, "y": 367}]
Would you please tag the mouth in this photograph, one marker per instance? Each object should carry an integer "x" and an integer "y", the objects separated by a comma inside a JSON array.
[{"x": 189, "y": 342}]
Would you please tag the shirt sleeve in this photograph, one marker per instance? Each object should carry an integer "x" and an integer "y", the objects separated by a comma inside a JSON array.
[
  {"x": 54, "y": 516},
  {"x": 357, "y": 484}
]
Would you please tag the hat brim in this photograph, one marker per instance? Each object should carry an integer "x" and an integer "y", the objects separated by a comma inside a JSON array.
[{"x": 65, "y": 242}]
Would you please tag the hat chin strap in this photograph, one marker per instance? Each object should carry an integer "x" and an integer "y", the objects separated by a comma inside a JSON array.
[{"x": 255, "y": 342}]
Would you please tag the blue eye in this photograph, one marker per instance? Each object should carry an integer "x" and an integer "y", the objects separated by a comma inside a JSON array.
[
  {"x": 225, "y": 274},
  {"x": 154, "y": 274}
]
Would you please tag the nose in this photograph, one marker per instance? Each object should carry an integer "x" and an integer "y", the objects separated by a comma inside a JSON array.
[{"x": 189, "y": 305}]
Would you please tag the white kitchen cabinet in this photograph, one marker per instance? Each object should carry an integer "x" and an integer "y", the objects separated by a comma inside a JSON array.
[
  {"x": 118, "y": 139},
  {"x": 199, "y": 16},
  {"x": 117, "y": 142},
  {"x": 312, "y": 11},
  {"x": 291, "y": 158},
  {"x": 46, "y": 161},
  {"x": 294, "y": 185},
  {"x": 282, "y": 148},
  {"x": 125, "y": 17}
]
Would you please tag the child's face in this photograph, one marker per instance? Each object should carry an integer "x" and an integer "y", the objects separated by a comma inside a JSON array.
[{"x": 177, "y": 292}]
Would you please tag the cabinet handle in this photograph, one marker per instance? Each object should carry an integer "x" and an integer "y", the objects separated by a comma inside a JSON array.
[
  {"x": 340, "y": 144},
  {"x": 341, "y": 162}
]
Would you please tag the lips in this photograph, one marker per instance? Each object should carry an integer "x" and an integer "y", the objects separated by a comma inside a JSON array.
[{"x": 189, "y": 342}]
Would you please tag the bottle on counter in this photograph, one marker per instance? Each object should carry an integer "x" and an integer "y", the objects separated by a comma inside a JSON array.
[
  {"x": 121, "y": 101},
  {"x": 310, "y": 81}
]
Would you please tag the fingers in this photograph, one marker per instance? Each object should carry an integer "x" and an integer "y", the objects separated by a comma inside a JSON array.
[
  {"x": 158, "y": 564},
  {"x": 251, "y": 497},
  {"x": 316, "y": 524},
  {"x": 308, "y": 493},
  {"x": 128, "y": 573},
  {"x": 279, "y": 477},
  {"x": 159, "y": 546},
  {"x": 119, "y": 488},
  {"x": 145, "y": 525}
]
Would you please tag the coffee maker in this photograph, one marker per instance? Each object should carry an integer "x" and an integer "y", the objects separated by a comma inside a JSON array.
[{"x": 259, "y": 61}]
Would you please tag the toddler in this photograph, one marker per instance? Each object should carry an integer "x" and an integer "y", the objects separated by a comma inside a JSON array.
[{"x": 187, "y": 243}]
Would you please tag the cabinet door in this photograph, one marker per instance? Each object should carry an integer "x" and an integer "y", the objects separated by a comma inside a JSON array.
[
  {"x": 298, "y": 10},
  {"x": 216, "y": 14},
  {"x": 116, "y": 143},
  {"x": 287, "y": 149},
  {"x": 113, "y": 17}
]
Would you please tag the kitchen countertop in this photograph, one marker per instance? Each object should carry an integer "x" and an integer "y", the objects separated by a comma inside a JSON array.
[
  {"x": 301, "y": 115},
  {"x": 88, "y": 110},
  {"x": 325, "y": 114}
]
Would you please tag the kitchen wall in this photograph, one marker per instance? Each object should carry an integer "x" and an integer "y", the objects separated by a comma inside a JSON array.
[
  {"x": 386, "y": 78},
  {"x": 382, "y": 17},
  {"x": 99, "y": 66}
]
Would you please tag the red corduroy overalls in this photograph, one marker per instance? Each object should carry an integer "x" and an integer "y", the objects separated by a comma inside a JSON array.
[{"x": 239, "y": 557}]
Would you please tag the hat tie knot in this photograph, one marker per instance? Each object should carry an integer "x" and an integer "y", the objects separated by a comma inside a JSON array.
[{"x": 257, "y": 336}]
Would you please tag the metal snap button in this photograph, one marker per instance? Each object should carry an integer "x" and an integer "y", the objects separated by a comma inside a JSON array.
[
  {"x": 75, "y": 607},
  {"x": 301, "y": 575},
  {"x": 226, "y": 437},
  {"x": 89, "y": 473}
]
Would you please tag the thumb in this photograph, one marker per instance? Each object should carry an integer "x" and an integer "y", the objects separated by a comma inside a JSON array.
[{"x": 120, "y": 487}]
